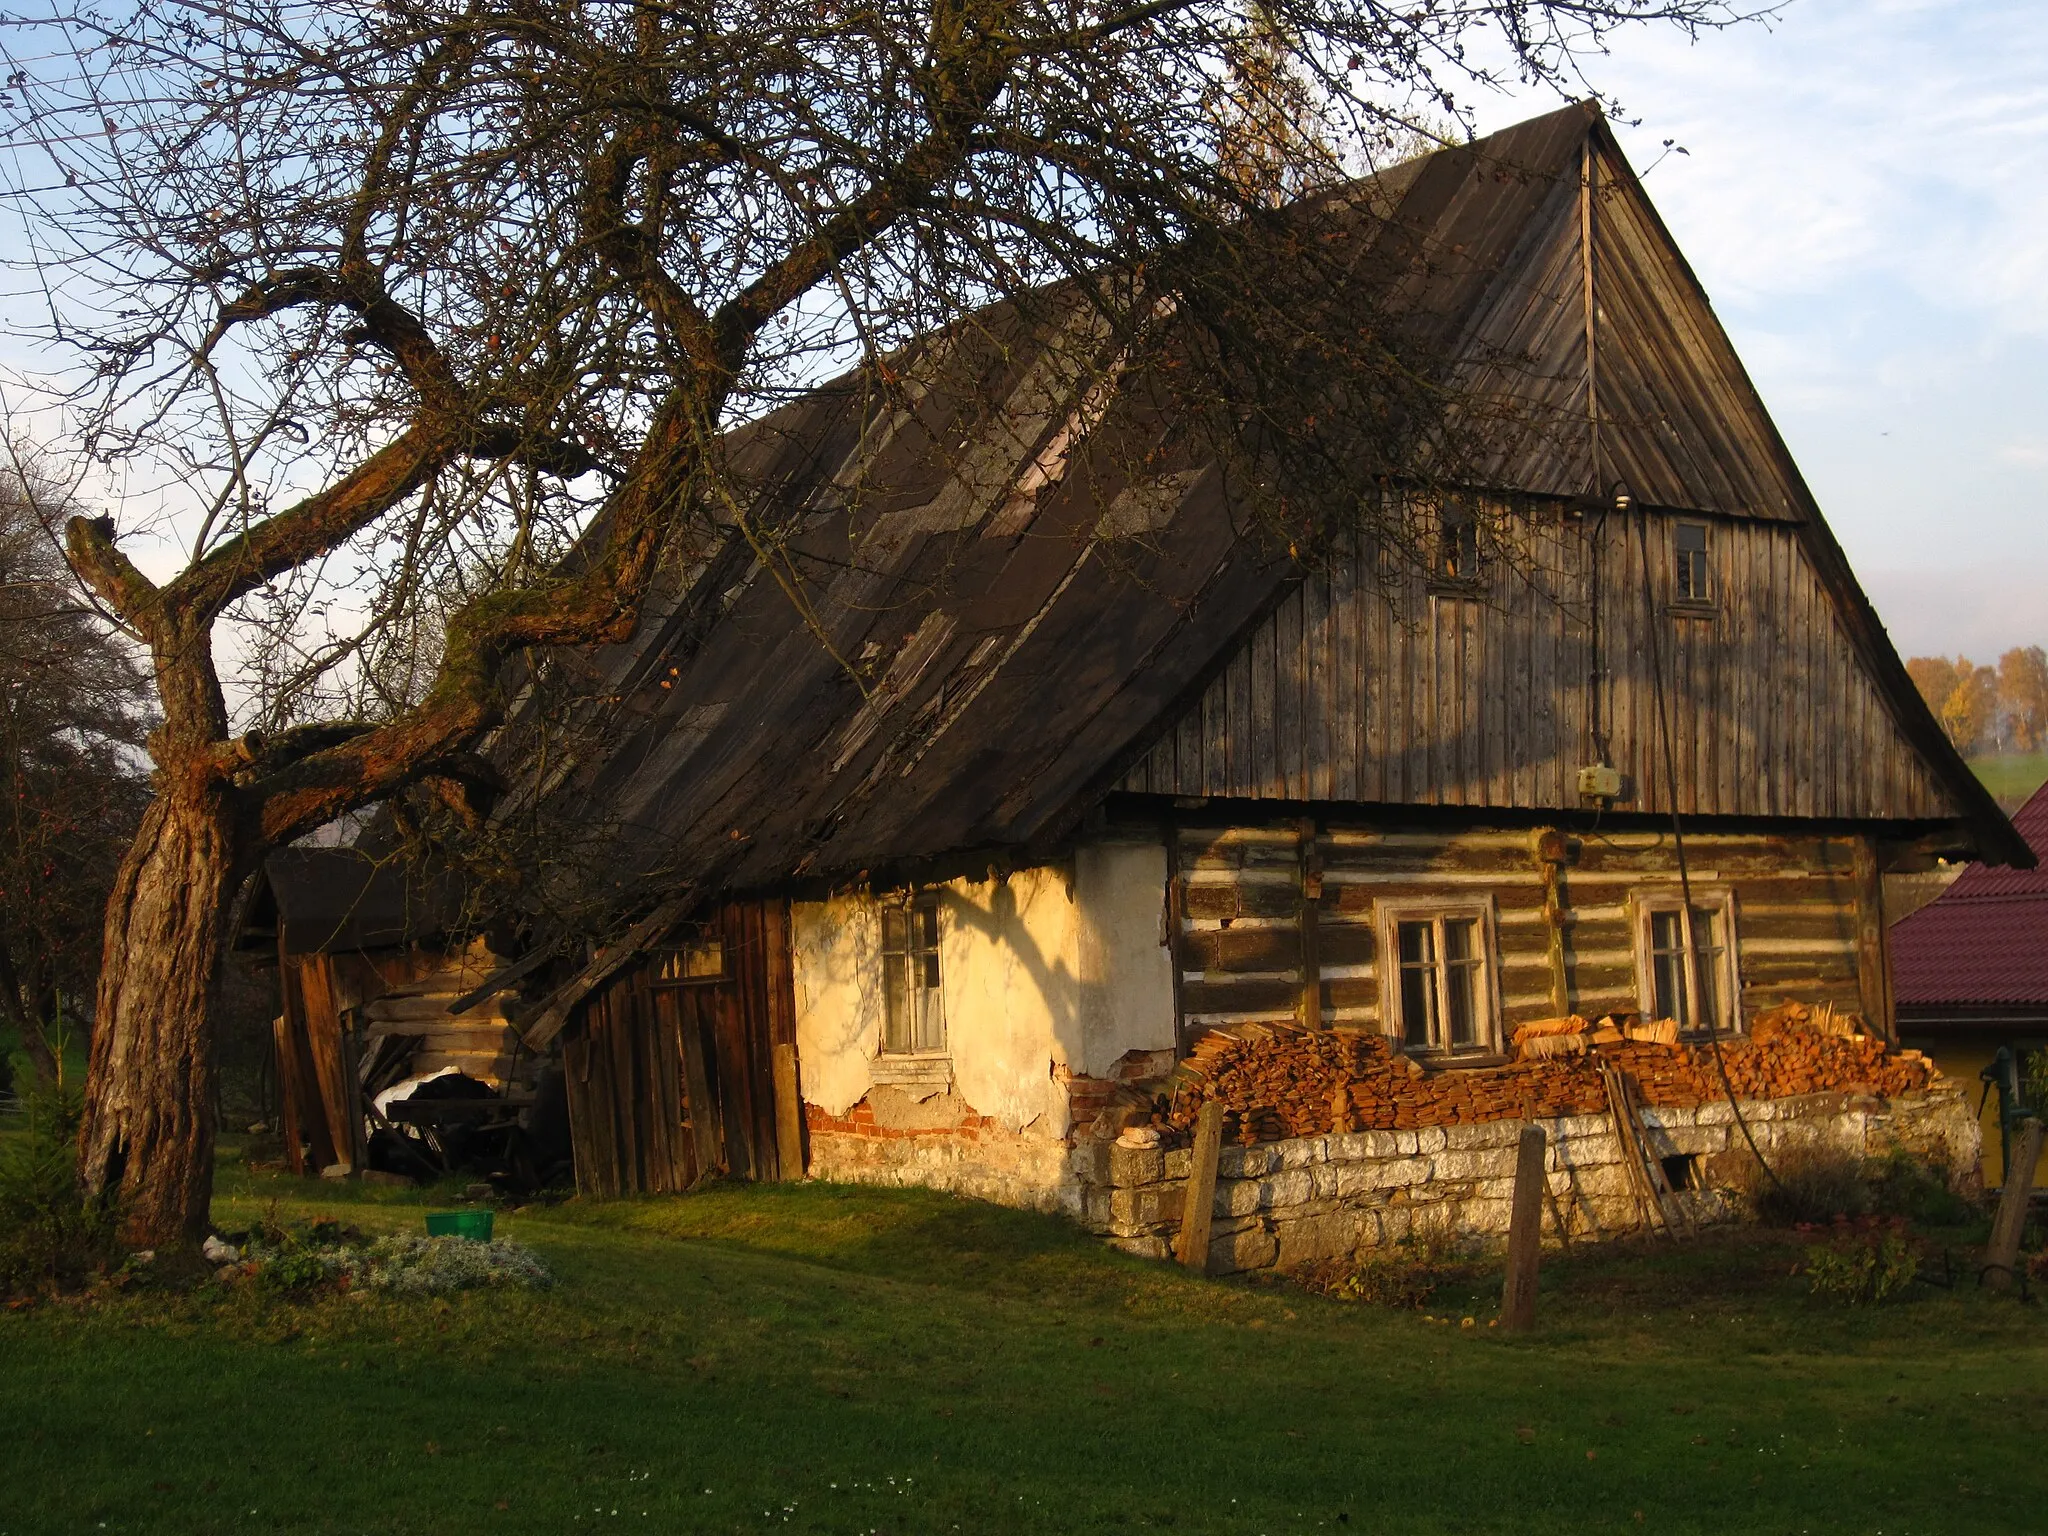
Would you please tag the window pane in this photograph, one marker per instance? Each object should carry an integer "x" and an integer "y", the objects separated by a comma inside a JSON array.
[
  {"x": 1667, "y": 966},
  {"x": 1707, "y": 957},
  {"x": 931, "y": 1020},
  {"x": 1461, "y": 980},
  {"x": 896, "y": 1029},
  {"x": 1692, "y": 562},
  {"x": 1417, "y": 943},
  {"x": 895, "y": 929}
]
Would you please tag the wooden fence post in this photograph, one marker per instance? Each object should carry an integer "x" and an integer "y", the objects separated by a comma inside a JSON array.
[
  {"x": 2003, "y": 1255},
  {"x": 789, "y": 1115},
  {"x": 1198, "y": 1204},
  {"x": 1525, "y": 1233}
]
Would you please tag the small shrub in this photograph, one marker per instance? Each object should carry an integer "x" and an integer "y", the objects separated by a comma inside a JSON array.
[
  {"x": 1814, "y": 1185},
  {"x": 1403, "y": 1274},
  {"x": 1903, "y": 1184},
  {"x": 1863, "y": 1262},
  {"x": 51, "y": 1237}
]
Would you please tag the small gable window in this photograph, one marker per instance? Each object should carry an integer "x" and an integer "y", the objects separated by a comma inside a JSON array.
[
  {"x": 915, "y": 1021},
  {"x": 1693, "y": 585},
  {"x": 1456, "y": 563}
]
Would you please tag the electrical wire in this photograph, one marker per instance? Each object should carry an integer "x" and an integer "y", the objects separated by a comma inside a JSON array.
[{"x": 1678, "y": 844}]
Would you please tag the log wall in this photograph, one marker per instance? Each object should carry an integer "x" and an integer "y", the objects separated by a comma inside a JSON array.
[{"x": 1242, "y": 954}]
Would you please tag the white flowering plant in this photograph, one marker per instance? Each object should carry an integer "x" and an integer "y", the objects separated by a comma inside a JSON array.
[{"x": 327, "y": 1255}]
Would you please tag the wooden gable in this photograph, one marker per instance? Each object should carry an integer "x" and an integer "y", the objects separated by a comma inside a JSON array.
[
  {"x": 1362, "y": 688},
  {"x": 1372, "y": 684},
  {"x": 1671, "y": 416}
]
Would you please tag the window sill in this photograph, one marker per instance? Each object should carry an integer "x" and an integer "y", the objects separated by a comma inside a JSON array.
[
  {"x": 1463, "y": 1061},
  {"x": 1452, "y": 1061},
  {"x": 903, "y": 1071},
  {"x": 1680, "y": 610}
]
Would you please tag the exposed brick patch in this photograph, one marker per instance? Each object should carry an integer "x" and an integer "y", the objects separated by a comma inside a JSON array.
[{"x": 860, "y": 1121}]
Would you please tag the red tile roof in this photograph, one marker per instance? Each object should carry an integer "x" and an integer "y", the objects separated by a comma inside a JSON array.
[{"x": 1985, "y": 938}]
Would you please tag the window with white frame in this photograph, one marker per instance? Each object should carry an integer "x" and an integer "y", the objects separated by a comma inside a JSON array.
[
  {"x": 1685, "y": 959},
  {"x": 1437, "y": 977},
  {"x": 915, "y": 1020}
]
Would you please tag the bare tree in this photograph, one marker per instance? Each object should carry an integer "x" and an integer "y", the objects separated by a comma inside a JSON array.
[{"x": 414, "y": 295}]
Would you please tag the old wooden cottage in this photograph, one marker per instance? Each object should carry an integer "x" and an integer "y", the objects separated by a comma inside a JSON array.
[{"x": 1055, "y": 774}]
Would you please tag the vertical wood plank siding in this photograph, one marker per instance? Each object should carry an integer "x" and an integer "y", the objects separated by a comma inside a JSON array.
[
  {"x": 667, "y": 1083},
  {"x": 1240, "y": 950},
  {"x": 1386, "y": 691}
]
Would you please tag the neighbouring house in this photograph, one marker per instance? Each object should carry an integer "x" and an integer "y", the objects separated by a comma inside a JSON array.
[
  {"x": 1062, "y": 803},
  {"x": 1971, "y": 974}
]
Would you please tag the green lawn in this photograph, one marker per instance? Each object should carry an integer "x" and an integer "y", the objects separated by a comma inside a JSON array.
[
  {"x": 2012, "y": 776},
  {"x": 818, "y": 1358}
]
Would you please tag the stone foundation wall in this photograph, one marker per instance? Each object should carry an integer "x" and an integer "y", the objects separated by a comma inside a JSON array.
[
  {"x": 1006, "y": 1170},
  {"x": 1320, "y": 1197}
]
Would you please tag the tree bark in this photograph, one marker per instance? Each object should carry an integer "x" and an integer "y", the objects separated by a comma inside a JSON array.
[{"x": 147, "y": 1140}]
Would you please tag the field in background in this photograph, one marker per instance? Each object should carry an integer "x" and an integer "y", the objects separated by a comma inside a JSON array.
[
  {"x": 2012, "y": 776},
  {"x": 829, "y": 1359}
]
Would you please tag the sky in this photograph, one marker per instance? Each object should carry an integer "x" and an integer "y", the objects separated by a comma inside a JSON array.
[{"x": 1864, "y": 194}]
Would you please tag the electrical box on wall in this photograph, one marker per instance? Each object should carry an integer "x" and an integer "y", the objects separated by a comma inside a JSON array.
[{"x": 1600, "y": 782}]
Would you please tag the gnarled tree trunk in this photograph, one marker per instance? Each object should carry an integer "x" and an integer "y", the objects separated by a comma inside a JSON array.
[{"x": 147, "y": 1140}]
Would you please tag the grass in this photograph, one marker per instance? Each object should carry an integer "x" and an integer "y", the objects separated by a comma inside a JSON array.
[
  {"x": 2011, "y": 776},
  {"x": 821, "y": 1358}
]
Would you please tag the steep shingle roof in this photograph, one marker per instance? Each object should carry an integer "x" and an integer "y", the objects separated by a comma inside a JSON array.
[{"x": 1016, "y": 660}]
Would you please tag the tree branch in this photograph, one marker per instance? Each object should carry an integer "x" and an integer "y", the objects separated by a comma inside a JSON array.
[{"x": 89, "y": 543}]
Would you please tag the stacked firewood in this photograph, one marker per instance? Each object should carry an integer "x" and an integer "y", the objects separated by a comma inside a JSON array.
[{"x": 1279, "y": 1080}]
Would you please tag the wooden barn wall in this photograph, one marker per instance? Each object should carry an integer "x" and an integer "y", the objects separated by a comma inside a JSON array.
[
  {"x": 1244, "y": 933},
  {"x": 670, "y": 1084},
  {"x": 1358, "y": 688},
  {"x": 319, "y": 1040}
]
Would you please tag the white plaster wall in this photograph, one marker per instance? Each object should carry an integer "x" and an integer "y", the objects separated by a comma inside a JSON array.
[
  {"x": 1126, "y": 969},
  {"x": 835, "y": 952},
  {"x": 1008, "y": 965},
  {"x": 1010, "y": 990}
]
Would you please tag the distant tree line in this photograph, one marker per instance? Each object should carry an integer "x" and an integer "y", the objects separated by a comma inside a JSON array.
[
  {"x": 74, "y": 716},
  {"x": 1985, "y": 708}
]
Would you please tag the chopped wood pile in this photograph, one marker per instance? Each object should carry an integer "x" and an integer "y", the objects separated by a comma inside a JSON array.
[{"x": 1280, "y": 1080}]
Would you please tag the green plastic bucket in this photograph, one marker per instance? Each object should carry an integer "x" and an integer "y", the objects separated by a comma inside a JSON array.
[{"x": 474, "y": 1225}]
